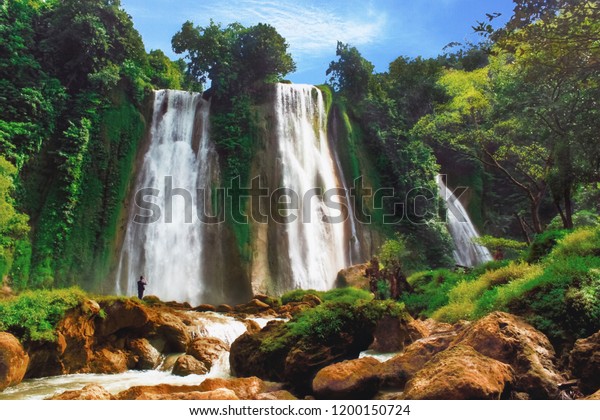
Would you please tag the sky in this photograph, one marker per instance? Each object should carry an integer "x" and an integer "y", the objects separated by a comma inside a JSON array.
[{"x": 382, "y": 30}]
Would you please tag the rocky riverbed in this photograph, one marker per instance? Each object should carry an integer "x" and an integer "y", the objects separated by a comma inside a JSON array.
[{"x": 126, "y": 349}]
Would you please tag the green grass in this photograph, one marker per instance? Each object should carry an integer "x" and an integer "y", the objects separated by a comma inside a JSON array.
[{"x": 34, "y": 315}]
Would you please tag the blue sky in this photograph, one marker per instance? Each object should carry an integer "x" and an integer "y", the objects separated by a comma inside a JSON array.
[{"x": 382, "y": 30}]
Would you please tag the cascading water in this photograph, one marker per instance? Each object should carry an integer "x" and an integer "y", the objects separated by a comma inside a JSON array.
[
  {"x": 178, "y": 167},
  {"x": 316, "y": 247},
  {"x": 466, "y": 252}
]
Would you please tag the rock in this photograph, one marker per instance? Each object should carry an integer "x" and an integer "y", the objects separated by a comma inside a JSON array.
[
  {"x": 312, "y": 300},
  {"x": 76, "y": 332},
  {"x": 351, "y": 379},
  {"x": 121, "y": 314},
  {"x": 172, "y": 330},
  {"x": 252, "y": 326},
  {"x": 147, "y": 356},
  {"x": 252, "y": 307},
  {"x": 244, "y": 388},
  {"x": 189, "y": 365},
  {"x": 276, "y": 395},
  {"x": 89, "y": 392},
  {"x": 13, "y": 361},
  {"x": 353, "y": 276},
  {"x": 152, "y": 300},
  {"x": 273, "y": 302},
  {"x": 399, "y": 369},
  {"x": 225, "y": 308},
  {"x": 460, "y": 373},
  {"x": 207, "y": 350},
  {"x": 584, "y": 363},
  {"x": 205, "y": 308},
  {"x": 511, "y": 340},
  {"x": 174, "y": 392},
  {"x": 392, "y": 334},
  {"x": 111, "y": 361},
  {"x": 594, "y": 396}
]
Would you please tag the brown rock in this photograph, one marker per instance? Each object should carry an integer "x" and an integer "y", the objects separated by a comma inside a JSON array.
[
  {"x": 89, "y": 392},
  {"x": 276, "y": 395},
  {"x": 189, "y": 365},
  {"x": 172, "y": 330},
  {"x": 252, "y": 307},
  {"x": 147, "y": 356},
  {"x": 351, "y": 379},
  {"x": 392, "y": 334},
  {"x": 13, "y": 361},
  {"x": 205, "y": 308},
  {"x": 244, "y": 388},
  {"x": 584, "y": 363},
  {"x": 252, "y": 326},
  {"x": 399, "y": 369},
  {"x": 460, "y": 373},
  {"x": 207, "y": 350},
  {"x": 353, "y": 276},
  {"x": 111, "y": 361},
  {"x": 225, "y": 308},
  {"x": 312, "y": 300},
  {"x": 121, "y": 314},
  {"x": 511, "y": 340},
  {"x": 174, "y": 392}
]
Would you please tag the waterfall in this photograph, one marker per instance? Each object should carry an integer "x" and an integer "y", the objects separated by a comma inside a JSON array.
[
  {"x": 462, "y": 230},
  {"x": 316, "y": 248},
  {"x": 169, "y": 253}
]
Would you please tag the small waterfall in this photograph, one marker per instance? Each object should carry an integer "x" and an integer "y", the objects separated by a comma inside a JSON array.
[
  {"x": 462, "y": 230},
  {"x": 316, "y": 248},
  {"x": 354, "y": 248},
  {"x": 180, "y": 158}
]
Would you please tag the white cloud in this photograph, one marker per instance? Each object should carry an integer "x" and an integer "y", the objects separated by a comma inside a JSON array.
[{"x": 310, "y": 30}]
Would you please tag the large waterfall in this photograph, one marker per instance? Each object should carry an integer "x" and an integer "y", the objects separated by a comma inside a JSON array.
[
  {"x": 185, "y": 259},
  {"x": 316, "y": 247},
  {"x": 466, "y": 252},
  {"x": 179, "y": 164}
]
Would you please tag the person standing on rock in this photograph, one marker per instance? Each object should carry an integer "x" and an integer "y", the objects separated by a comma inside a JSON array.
[{"x": 141, "y": 286}]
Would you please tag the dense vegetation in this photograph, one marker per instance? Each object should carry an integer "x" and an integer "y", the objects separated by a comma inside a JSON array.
[{"x": 515, "y": 118}]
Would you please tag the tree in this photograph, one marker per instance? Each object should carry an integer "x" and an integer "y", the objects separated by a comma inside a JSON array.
[
  {"x": 351, "y": 73},
  {"x": 164, "y": 73},
  {"x": 233, "y": 58}
]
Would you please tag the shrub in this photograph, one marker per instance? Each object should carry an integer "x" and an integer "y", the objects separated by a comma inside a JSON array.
[
  {"x": 346, "y": 294},
  {"x": 543, "y": 244},
  {"x": 34, "y": 315},
  {"x": 582, "y": 242},
  {"x": 430, "y": 290}
]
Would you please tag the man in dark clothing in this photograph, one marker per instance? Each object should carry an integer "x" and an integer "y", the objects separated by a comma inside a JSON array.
[{"x": 141, "y": 286}]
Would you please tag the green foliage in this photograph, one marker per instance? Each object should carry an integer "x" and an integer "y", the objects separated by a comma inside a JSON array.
[
  {"x": 351, "y": 73},
  {"x": 234, "y": 58},
  {"x": 582, "y": 242},
  {"x": 491, "y": 242},
  {"x": 34, "y": 315},
  {"x": 430, "y": 290},
  {"x": 392, "y": 252},
  {"x": 543, "y": 244},
  {"x": 164, "y": 73}
]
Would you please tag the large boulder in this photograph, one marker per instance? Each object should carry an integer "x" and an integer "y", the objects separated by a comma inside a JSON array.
[
  {"x": 396, "y": 371},
  {"x": 511, "y": 340},
  {"x": 392, "y": 334},
  {"x": 207, "y": 350},
  {"x": 584, "y": 363},
  {"x": 189, "y": 365},
  {"x": 89, "y": 392},
  {"x": 244, "y": 388},
  {"x": 13, "y": 361},
  {"x": 171, "y": 331},
  {"x": 108, "y": 360},
  {"x": 119, "y": 315},
  {"x": 460, "y": 373},
  {"x": 353, "y": 276},
  {"x": 147, "y": 357},
  {"x": 252, "y": 307},
  {"x": 351, "y": 379}
]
